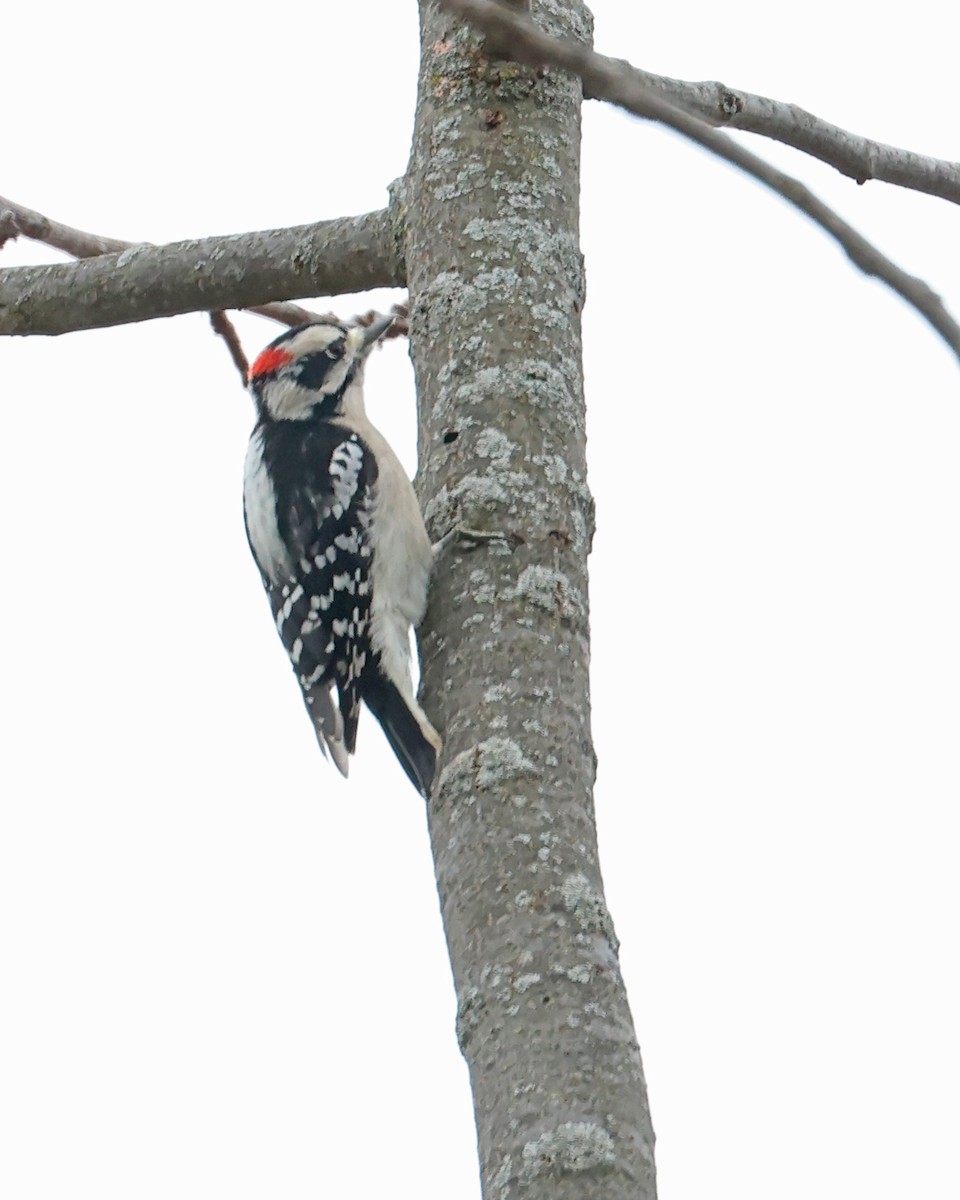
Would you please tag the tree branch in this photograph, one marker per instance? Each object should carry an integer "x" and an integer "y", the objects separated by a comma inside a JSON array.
[
  {"x": 858, "y": 157},
  {"x": 224, "y": 327},
  {"x": 608, "y": 79},
  {"x": 16, "y": 220},
  {"x": 27, "y": 222},
  {"x": 139, "y": 282}
]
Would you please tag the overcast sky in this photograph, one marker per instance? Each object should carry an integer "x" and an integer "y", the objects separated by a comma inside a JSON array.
[{"x": 223, "y": 967}]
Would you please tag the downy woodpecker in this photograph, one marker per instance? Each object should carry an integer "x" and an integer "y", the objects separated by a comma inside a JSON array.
[{"x": 335, "y": 528}]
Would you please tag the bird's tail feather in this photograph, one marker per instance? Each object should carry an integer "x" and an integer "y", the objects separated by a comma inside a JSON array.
[
  {"x": 328, "y": 726},
  {"x": 411, "y": 736}
]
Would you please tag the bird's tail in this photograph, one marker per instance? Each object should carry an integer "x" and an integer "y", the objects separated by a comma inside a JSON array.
[
  {"x": 328, "y": 726},
  {"x": 413, "y": 739}
]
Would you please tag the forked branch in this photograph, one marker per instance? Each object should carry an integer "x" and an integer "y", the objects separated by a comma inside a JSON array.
[
  {"x": 517, "y": 38},
  {"x": 140, "y": 282}
]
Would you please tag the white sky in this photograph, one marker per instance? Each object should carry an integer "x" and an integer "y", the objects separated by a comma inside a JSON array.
[{"x": 223, "y": 968}]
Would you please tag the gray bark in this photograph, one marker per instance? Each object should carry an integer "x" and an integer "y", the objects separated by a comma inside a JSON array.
[
  {"x": 497, "y": 285},
  {"x": 349, "y": 254}
]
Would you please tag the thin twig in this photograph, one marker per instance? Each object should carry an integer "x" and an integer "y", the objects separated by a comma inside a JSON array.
[
  {"x": 617, "y": 82},
  {"x": 287, "y": 313},
  {"x": 401, "y": 321},
  {"x": 225, "y": 328},
  {"x": 75, "y": 242},
  {"x": 8, "y": 228}
]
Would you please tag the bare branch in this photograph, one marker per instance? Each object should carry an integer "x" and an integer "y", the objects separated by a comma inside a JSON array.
[
  {"x": 400, "y": 326},
  {"x": 223, "y": 326},
  {"x": 75, "y": 242},
  {"x": 617, "y": 82},
  {"x": 17, "y": 220},
  {"x": 858, "y": 157},
  {"x": 287, "y": 313},
  {"x": 8, "y": 227},
  {"x": 140, "y": 282}
]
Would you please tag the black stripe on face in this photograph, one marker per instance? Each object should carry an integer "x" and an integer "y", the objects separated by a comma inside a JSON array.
[{"x": 311, "y": 370}]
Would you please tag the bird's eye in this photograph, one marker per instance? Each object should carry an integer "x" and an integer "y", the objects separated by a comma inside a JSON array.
[{"x": 335, "y": 349}]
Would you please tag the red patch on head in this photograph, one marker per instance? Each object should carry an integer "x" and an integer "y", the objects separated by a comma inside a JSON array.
[{"x": 271, "y": 359}]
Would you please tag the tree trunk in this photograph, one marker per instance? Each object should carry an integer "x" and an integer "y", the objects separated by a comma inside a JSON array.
[{"x": 497, "y": 286}]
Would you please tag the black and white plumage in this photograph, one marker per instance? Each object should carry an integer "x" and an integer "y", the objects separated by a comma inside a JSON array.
[{"x": 335, "y": 528}]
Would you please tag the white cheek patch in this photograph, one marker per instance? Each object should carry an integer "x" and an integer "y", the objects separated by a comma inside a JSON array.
[
  {"x": 287, "y": 401},
  {"x": 336, "y": 377}
]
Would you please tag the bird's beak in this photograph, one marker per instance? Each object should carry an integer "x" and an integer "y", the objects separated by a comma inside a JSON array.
[{"x": 373, "y": 332}]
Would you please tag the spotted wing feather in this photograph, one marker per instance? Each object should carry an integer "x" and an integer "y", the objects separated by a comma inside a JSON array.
[{"x": 321, "y": 597}]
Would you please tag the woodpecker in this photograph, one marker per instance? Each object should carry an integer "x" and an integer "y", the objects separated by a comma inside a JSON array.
[{"x": 336, "y": 531}]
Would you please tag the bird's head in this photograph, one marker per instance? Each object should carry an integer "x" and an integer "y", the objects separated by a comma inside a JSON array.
[{"x": 313, "y": 365}]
